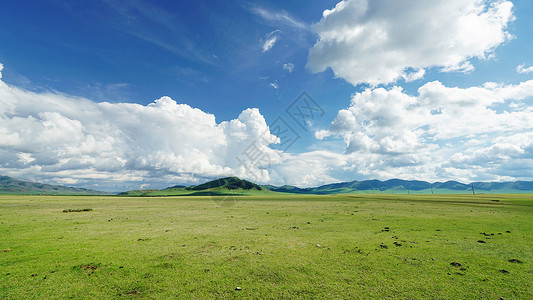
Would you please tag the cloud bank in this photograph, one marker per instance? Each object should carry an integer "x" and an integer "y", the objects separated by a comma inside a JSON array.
[
  {"x": 65, "y": 139},
  {"x": 381, "y": 41},
  {"x": 61, "y": 139},
  {"x": 477, "y": 133}
]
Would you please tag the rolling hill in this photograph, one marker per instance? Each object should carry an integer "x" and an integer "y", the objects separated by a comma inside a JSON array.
[
  {"x": 234, "y": 185},
  {"x": 10, "y": 185},
  {"x": 221, "y": 186},
  {"x": 399, "y": 186}
]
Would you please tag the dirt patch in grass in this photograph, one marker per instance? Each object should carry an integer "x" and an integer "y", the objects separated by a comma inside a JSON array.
[
  {"x": 88, "y": 268},
  {"x": 205, "y": 248},
  {"x": 76, "y": 210},
  {"x": 166, "y": 265},
  {"x": 132, "y": 293}
]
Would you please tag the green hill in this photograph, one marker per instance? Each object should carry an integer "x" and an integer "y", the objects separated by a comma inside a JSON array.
[
  {"x": 10, "y": 185},
  {"x": 399, "y": 186},
  {"x": 230, "y": 183},
  {"x": 221, "y": 186},
  {"x": 234, "y": 185}
]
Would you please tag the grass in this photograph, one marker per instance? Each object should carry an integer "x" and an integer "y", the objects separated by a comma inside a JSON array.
[
  {"x": 283, "y": 246},
  {"x": 205, "y": 192}
]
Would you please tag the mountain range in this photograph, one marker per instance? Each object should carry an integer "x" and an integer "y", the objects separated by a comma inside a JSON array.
[
  {"x": 399, "y": 186},
  {"x": 234, "y": 185},
  {"x": 10, "y": 185}
]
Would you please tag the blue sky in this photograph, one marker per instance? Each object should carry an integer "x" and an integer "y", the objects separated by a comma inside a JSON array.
[
  {"x": 114, "y": 96},
  {"x": 192, "y": 52}
]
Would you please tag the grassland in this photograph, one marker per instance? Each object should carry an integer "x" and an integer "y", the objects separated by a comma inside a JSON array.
[
  {"x": 288, "y": 246},
  {"x": 206, "y": 192}
]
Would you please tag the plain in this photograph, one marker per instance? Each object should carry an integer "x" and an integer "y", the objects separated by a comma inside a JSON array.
[{"x": 267, "y": 246}]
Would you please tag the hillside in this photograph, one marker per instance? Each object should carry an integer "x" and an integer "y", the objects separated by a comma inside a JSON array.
[
  {"x": 230, "y": 183},
  {"x": 399, "y": 186},
  {"x": 221, "y": 186},
  {"x": 10, "y": 185},
  {"x": 234, "y": 185}
]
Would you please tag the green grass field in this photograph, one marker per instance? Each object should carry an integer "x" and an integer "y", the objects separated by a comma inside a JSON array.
[{"x": 274, "y": 247}]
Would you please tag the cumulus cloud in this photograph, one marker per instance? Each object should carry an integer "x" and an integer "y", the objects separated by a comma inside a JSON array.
[
  {"x": 270, "y": 40},
  {"x": 289, "y": 67},
  {"x": 443, "y": 132},
  {"x": 311, "y": 168},
  {"x": 419, "y": 74},
  {"x": 522, "y": 69},
  {"x": 477, "y": 133},
  {"x": 45, "y": 136},
  {"x": 61, "y": 139},
  {"x": 379, "y": 41}
]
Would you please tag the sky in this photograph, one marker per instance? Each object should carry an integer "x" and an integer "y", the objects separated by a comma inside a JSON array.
[{"x": 121, "y": 95}]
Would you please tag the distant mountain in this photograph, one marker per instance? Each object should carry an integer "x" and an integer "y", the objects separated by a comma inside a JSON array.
[
  {"x": 221, "y": 186},
  {"x": 409, "y": 186},
  {"x": 288, "y": 189},
  {"x": 517, "y": 185},
  {"x": 10, "y": 185},
  {"x": 179, "y": 186},
  {"x": 234, "y": 185}
]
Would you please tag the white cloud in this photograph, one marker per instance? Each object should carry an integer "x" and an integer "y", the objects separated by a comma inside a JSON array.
[
  {"x": 478, "y": 133},
  {"x": 289, "y": 67},
  {"x": 419, "y": 74},
  {"x": 277, "y": 17},
  {"x": 270, "y": 40},
  {"x": 465, "y": 68},
  {"x": 61, "y": 139},
  {"x": 309, "y": 169},
  {"x": 55, "y": 137},
  {"x": 522, "y": 69},
  {"x": 475, "y": 133},
  {"x": 378, "y": 41}
]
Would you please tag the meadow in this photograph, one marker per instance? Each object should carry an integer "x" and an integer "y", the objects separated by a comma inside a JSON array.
[{"x": 267, "y": 246}]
